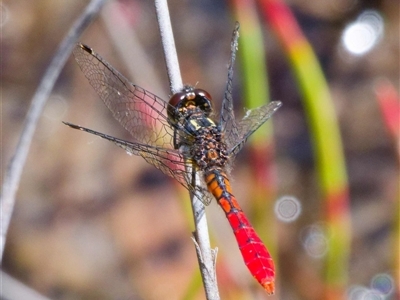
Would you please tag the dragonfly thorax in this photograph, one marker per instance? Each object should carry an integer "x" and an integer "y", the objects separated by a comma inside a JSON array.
[{"x": 209, "y": 151}]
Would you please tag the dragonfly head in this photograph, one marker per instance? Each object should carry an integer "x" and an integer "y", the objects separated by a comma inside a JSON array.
[{"x": 188, "y": 101}]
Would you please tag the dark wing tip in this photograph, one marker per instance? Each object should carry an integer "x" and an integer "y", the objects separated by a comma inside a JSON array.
[
  {"x": 72, "y": 125},
  {"x": 86, "y": 48}
]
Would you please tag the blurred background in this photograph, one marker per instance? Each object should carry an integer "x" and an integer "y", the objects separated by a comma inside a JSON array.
[{"x": 91, "y": 222}]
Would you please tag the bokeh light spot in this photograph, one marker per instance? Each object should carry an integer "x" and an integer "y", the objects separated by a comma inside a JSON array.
[
  {"x": 383, "y": 283},
  {"x": 287, "y": 208},
  {"x": 314, "y": 241},
  {"x": 361, "y": 36},
  {"x": 363, "y": 293},
  {"x": 56, "y": 108}
]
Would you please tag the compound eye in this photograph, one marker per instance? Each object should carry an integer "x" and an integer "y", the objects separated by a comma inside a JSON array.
[
  {"x": 203, "y": 93},
  {"x": 177, "y": 98}
]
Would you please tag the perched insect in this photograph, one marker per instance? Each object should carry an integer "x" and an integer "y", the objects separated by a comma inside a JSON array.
[{"x": 183, "y": 132}]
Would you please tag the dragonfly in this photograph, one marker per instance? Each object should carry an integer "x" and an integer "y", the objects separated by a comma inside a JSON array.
[{"x": 183, "y": 135}]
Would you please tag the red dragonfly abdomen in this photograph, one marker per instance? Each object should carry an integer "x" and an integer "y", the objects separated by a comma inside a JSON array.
[{"x": 255, "y": 254}]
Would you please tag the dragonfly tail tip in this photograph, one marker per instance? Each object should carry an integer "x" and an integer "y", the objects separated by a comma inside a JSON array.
[{"x": 269, "y": 286}]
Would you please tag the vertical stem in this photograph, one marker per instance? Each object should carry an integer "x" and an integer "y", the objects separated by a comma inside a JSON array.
[
  {"x": 205, "y": 255},
  {"x": 204, "y": 252},
  {"x": 168, "y": 42}
]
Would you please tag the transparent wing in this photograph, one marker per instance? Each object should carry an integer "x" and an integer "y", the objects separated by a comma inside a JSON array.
[
  {"x": 140, "y": 112},
  {"x": 235, "y": 133},
  {"x": 227, "y": 119},
  {"x": 170, "y": 161},
  {"x": 253, "y": 119}
]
